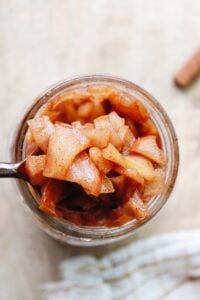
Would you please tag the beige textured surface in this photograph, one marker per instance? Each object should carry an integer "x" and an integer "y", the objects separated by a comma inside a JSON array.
[{"x": 42, "y": 42}]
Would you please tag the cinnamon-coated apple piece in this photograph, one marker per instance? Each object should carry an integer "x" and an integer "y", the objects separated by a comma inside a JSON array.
[
  {"x": 41, "y": 129},
  {"x": 142, "y": 165},
  {"x": 84, "y": 172},
  {"x": 103, "y": 122},
  {"x": 85, "y": 110},
  {"x": 130, "y": 173},
  {"x": 136, "y": 208},
  {"x": 76, "y": 97},
  {"x": 97, "y": 111},
  {"x": 116, "y": 121},
  {"x": 64, "y": 144},
  {"x": 102, "y": 164},
  {"x": 129, "y": 107},
  {"x": 147, "y": 146},
  {"x": 98, "y": 137},
  {"x": 128, "y": 141},
  {"x": 34, "y": 167},
  {"x": 106, "y": 185},
  {"x": 154, "y": 187},
  {"x": 100, "y": 93},
  {"x": 112, "y": 154}
]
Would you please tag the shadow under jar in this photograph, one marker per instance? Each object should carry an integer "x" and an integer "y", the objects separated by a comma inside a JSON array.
[{"x": 66, "y": 231}]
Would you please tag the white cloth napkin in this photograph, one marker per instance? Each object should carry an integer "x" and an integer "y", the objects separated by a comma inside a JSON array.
[{"x": 161, "y": 267}]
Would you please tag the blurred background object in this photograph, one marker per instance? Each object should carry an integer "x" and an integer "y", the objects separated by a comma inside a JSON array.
[
  {"x": 189, "y": 72},
  {"x": 42, "y": 42}
]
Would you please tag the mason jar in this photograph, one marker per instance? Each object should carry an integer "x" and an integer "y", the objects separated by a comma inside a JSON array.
[{"x": 64, "y": 230}]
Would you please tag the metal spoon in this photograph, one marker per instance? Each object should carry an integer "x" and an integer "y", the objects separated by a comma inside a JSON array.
[{"x": 12, "y": 170}]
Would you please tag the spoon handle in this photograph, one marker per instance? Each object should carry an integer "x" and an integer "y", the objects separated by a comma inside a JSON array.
[{"x": 8, "y": 170}]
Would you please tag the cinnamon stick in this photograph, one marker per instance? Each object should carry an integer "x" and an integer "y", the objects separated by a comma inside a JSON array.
[{"x": 189, "y": 71}]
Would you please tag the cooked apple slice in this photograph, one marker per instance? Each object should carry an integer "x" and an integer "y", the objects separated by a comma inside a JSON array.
[
  {"x": 98, "y": 137},
  {"x": 154, "y": 187},
  {"x": 127, "y": 106},
  {"x": 85, "y": 110},
  {"x": 69, "y": 111},
  {"x": 31, "y": 148},
  {"x": 53, "y": 115},
  {"x": 128, "y": 141},
  {"x": 112, "y": 154},
  {"x": 118, "y": 124},
  {"x": 41, "y": 128},
  {"x": 77, "y": 124},
  {"x": 116, "y": 121},
  {"x": 135, "y": 207},
  {"x": 29, "y": 136},
  {"x": 102, "y": 164},
  {"x": 34, "y": 167},
  {"x": 106, "y": 186},
  {"x": 103, "y": 122},
  {"x": 100, "y": 93},
  {"x": 75, "y": 96},
  {"x": 142, "y": 165},
  {"x": 84, "y": 172},
  {"x": 53, "y": 191},
  {"x": 64, "y": 144},
  {"x": 125, "y": 165},
  {"x": 97, "y": 111},
  {"x": 130, "y": 173},
  {"x": 30, "y": 145},
  {"x": 148, "y": 147}
]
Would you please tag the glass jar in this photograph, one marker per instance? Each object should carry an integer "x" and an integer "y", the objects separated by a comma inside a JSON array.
[{"x": 85, "y": 235}]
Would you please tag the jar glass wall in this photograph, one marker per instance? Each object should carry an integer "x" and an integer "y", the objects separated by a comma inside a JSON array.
[{"x": 87, "y": 235}]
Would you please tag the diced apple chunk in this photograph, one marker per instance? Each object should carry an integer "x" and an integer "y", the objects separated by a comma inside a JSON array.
[
  {"x": 64, "y": 144},
  {"x": 69, "y": 110},
  {"x": 130, "y": 173},
  {"x": 101, "y": 163},
  {"x": 135, "y": 207},
  {"x": 103, "y": 122},
  {"x": 41, "y": 128},
  {"x": 76, "y": 96},
  {"x": 34, "y": 167},
  {"x": 116, "y": 121},
  {"x": 98, "y": 137},
  {"x": 142, "y": 165},
  {"x": 106, "y": 186},
  {"x": 97, "y": 111},
  {"x": 77, "y": 124},
  {"x": 85, "y": 110},
  {"x": 112, "y": 154},
  {"x": 154, "y": 187},
  {"x": 129, "y": 107},
  {"x": 31, "y": 147},
  {"x": 148, "y": 147},
  {"x": 128, "y": 142},
  {"x": 100, "y": 93},
  {"x": 84, "y": 172}
]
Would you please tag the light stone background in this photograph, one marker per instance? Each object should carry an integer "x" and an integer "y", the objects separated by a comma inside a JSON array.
[{"x": 42, "y": 42}]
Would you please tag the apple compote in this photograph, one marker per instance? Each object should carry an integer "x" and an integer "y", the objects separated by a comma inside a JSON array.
[{"x": 95, "y": 156}]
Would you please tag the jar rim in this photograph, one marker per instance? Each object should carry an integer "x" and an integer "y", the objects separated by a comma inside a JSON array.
[{"x": 85, "y": 235}]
